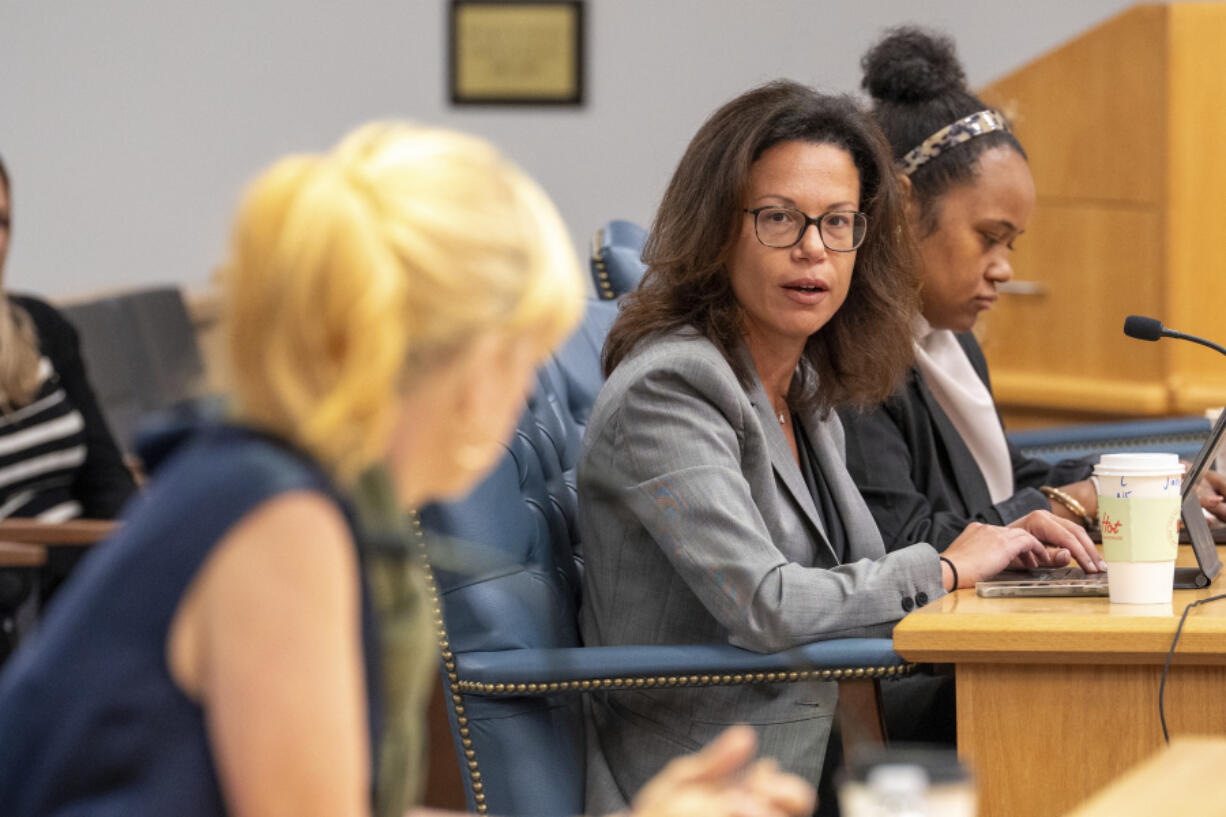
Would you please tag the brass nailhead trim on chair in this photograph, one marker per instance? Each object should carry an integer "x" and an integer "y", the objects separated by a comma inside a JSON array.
[
  {"x": 453, "y": 680},
  {"x": 492, "y": 688},
  {"x": 602, "y": 272}
]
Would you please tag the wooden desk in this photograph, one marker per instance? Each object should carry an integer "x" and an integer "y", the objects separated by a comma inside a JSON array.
[
  {"x": 72, "y": 532},
  {"x": 1058, "y": 697},
  {"x": 13, "y": 554},
  {"x": 24, "y": 542},
  {"x": 1184, "y": 779}
]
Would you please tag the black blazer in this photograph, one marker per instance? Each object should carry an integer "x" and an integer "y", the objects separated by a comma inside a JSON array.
[
  {"x": 919, "y": 478},
  {"x": 104, "y": 482}
]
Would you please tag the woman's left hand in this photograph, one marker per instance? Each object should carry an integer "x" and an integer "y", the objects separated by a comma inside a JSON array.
[{"x": 1063, "y": 538}]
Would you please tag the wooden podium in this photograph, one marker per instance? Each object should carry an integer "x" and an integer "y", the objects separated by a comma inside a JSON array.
[{"x": 1125, "y": 130}]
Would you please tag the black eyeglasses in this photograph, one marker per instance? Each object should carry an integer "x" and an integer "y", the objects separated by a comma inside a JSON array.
[{"x": 839, "y": 230}]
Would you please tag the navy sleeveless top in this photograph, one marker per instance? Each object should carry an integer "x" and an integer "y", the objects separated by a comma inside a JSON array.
[{"x": 91, "y": 722}]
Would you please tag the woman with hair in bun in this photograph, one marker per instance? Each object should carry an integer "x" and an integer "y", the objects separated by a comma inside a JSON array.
[
  {"x": 385, "y": 303},
  {"x": 934, "y": 458},
  {"x": 714, "y": 502}
]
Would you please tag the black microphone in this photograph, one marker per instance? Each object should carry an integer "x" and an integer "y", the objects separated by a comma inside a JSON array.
[{"x": 1142, "y": 328}]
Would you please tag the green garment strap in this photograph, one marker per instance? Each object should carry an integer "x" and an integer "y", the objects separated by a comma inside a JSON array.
[{"x": 409, "y": 650}]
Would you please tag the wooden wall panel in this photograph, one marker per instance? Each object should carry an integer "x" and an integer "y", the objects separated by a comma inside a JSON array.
[
  {"x": 1124, "y": 127},
  {"x": 1196, "y": 201},
  {"x": 1065, "y": 347},
  {"x": 1077, "y": 110}
]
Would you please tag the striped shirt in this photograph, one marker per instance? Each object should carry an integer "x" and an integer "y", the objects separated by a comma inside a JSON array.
[{"x": 42, "y": 448}]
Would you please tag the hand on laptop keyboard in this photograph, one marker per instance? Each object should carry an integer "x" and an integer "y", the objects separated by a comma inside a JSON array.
[{"x": 1064, "y": 539}]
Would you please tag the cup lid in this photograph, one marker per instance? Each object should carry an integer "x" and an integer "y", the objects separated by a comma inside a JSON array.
[
  {"x": 1140, "y": 464},
  {"x": 939, "y": 766}
]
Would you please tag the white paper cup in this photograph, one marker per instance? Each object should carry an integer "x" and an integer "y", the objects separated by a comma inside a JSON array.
[
  {"x": 1138, "y": 512},
  {"x": 903, "y": 779}
]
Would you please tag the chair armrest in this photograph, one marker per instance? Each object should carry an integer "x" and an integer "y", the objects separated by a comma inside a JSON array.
[
  {"x": 72, "y": 532},
  {"x": 579, "y": 669}
]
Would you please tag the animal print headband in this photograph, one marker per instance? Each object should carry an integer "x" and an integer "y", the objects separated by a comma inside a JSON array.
[{"x": 964, "y": 130}]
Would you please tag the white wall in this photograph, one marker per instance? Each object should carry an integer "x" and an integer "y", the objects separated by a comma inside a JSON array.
[{"x": 129, "y": 126}]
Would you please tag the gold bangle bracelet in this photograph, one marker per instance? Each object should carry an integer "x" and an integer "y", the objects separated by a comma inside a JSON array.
[{"x": 1067, "y": 500}]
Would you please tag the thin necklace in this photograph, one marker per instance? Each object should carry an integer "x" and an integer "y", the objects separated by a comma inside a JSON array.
[{"x": 782, "y": 415}]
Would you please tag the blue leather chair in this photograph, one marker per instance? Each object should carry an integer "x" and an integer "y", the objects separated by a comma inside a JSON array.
[
  {"x": 508, "y": 580},
  {"x": 1182, "y": 435},
  {"x": 617, "y": 258}
]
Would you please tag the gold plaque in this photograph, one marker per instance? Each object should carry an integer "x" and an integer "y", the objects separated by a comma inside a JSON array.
[{"x": 511, "y": 52}]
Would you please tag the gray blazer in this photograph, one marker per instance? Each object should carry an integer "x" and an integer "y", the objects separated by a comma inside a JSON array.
[{"x": 697, "y": 527}]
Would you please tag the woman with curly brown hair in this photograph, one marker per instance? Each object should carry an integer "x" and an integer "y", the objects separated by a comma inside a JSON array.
[{"x": 715, "y": 505}]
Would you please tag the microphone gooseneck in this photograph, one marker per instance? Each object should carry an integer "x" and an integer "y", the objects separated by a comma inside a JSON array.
[
  {"x": 1142, "y": 328},
  {"x": 1171, "y": 333}
]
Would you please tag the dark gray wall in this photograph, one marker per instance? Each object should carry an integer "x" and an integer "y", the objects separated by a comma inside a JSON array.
[{"x": 129, "y": 126}]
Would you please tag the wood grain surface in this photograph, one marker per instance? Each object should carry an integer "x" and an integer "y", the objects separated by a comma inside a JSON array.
[{"x": 1057, "y": 697}]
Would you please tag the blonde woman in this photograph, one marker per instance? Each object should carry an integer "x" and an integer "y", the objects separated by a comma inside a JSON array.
[
  {"x": 58, "y": 460},
  {"x": 387, "y": 303}
]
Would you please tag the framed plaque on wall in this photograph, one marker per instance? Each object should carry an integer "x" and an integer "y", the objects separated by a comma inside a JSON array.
[{"x": 516, "y": 52}]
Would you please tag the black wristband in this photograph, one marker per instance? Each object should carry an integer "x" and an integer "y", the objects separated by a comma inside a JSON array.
[{"x": 953, "y": 570}]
